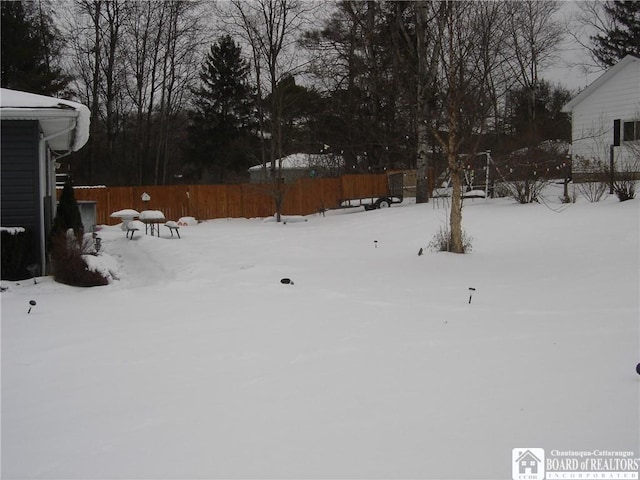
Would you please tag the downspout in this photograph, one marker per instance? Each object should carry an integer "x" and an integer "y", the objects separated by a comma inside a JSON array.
[
  {"x": 57, "y": 134},
  {"x": 47, "y": 178}
]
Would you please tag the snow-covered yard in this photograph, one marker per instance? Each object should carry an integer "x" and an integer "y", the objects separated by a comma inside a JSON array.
[{"x": 199, "y": 363}]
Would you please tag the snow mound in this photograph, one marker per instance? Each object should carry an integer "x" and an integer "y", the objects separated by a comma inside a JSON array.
[
  {"x": 104, "y": 264},
  {"x": 286, "y": 219},
  {"x": 187, "y": 222}
]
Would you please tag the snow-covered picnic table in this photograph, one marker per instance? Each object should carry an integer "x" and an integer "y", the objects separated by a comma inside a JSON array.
[{"x": 153, "y": 219}]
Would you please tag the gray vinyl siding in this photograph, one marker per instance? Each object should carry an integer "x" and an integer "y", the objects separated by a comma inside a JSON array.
[{"x": 19, "y": 180}]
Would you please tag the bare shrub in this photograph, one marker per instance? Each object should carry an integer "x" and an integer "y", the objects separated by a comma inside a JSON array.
[
  {"x": 595, "y": 176},
  {"x": 501, "y": 190},
  {"x": 441, "y": 241},
  {"x": 528, "y": 190},
  {"x": 625, "y": 188},
  {"x": 625, "y": 179},
  {"x": 592, "y": 191},
  {"x": 526, "y": 172}
]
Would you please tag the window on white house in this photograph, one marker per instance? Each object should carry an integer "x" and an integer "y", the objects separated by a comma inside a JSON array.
[{"x": 631, "y": 131}]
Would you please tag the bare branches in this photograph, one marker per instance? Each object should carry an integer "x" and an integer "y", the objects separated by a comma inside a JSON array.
[{"x": 533, "y": 37}]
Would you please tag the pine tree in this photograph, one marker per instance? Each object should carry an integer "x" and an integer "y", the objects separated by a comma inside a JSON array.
[
  {"x": 550, "y": 123},
  {"x": 67, "y": 214},
  {"x": 223, "y": 110},
  {"x": 69, "y": 266},
  {"x": 29, "y": 48},
  {"x": 624, "y": 37}
]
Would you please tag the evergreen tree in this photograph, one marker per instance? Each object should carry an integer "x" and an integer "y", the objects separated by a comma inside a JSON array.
[
  {"x": 69, "y": 266},
  {"x": 29, "y": 48},
  {"x": 624, "y": 37},
  {"x": 550, "y": 122},
  {"x": 300, "y": 107},
  {"x": 222, "y": 120},
  {"x": 67, "y": 213}
]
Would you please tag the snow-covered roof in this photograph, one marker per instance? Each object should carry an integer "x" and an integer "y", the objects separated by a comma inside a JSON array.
[
  {"x": 64, "y": 124},
  {"x": 301, "y": 161},
  {"x": 598, "y": 82},
  {"x": 554, "y": 147}
]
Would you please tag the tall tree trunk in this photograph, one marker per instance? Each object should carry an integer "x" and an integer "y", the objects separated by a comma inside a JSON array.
[
  {"x": 95, "y": 12},
  {"x": 422, "y": 101},
  {"x": 114, "y": 18},
  {"x": 455, "y": 216},
  {"x": 428, "y": 54}
]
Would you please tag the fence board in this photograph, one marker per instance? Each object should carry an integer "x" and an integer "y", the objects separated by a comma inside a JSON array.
[
  {"x": 302, "y": 197},
  {"x": 363, "y": 185}
]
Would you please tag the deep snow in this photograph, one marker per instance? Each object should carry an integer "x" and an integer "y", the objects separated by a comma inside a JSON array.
[{"x": 199, "y": 363}]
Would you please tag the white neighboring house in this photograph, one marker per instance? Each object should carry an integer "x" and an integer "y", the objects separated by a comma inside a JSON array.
[{"x": 605, "y": 120}]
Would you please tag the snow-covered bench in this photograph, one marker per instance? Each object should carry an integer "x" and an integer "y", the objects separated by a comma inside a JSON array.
[
  {"x": 128, "y": 225},
  {"x": 131, "y": 227},
  {"x": 173, "y": 226}
]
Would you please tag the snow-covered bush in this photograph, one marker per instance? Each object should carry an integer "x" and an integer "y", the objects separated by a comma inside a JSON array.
[
  {"x": 104, "y": 264},
  {"x": 69, "y": 266}
]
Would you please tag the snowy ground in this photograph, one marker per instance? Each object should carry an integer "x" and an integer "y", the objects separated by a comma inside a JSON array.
[{"x": 199, "y": 363}]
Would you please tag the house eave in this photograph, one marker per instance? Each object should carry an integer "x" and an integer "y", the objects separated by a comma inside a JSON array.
[
  {"x": 596, "y": 84},
  {"x": 57, "y": 125},
  {"x": 54, "y": 115}
]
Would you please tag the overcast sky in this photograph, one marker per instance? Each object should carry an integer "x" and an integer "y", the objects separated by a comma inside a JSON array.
[{"x": 570, "y": 70}]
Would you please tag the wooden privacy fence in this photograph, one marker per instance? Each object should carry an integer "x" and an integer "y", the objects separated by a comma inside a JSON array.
[{"x": 302, "y": 197}]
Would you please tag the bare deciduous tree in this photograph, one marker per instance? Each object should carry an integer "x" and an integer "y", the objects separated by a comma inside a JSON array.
[
  {"x": 271, "y": 28},
  {"x": 134, "y": 62},
  {"x": 468, "y": 56},
  {"x": 532, "y": 38},
  {"x": 430, "y": 22}
]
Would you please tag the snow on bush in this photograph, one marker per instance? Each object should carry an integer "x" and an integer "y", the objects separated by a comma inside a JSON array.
[{"x": 104, "y": 264}]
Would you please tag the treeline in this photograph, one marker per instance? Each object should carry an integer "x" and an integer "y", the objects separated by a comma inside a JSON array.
[{"x": 194, "y": 92}]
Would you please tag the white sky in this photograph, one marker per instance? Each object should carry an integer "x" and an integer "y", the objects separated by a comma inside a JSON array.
[{"x": 572, "y": 69}]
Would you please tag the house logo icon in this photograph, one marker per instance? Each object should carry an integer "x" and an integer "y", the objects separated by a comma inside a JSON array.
[{"x": 527, "y": 463}]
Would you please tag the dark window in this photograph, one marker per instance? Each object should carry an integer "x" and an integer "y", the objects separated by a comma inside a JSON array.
[{"x": 631, "y": 131}]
